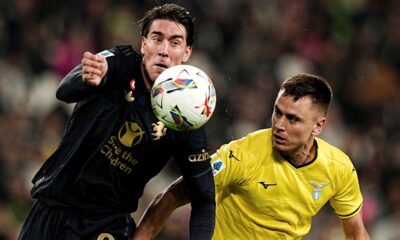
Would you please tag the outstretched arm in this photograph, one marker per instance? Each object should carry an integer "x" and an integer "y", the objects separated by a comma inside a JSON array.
[
  {"x": 80, "y": 82},
  {"x": 354, "y": 228},
  {"x": 160, "y": 208}
]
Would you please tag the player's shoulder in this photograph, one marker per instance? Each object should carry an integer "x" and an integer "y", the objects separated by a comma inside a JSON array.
[
  {"x": 332, "y": 154},
  {"x": 120, "y": 50},
  {"x": 126, "y": 50},
  {"x": 242, "y": 156},
  {"x": 252, "y": 142}
]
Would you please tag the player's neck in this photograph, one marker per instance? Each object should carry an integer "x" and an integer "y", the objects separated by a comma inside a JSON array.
[
  {"x": 146, "y": 78},
  {"x": 303, "y": 155}
]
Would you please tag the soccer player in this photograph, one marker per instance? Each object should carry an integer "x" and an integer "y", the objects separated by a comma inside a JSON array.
[
  {"x": 270, "y": 183},
  {"x": 113, "y": 144}
]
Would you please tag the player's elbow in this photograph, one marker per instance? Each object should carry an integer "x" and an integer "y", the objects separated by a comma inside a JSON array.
[
  {"x": 65, "y": 91},
  {"x": 60, "y": 95}
]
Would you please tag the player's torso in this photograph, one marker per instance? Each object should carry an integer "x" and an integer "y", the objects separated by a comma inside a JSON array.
[
  {"x": 111, "y": 148},
  {"x": 133, "y": 150},
  {"x": 276, "y": 200}
]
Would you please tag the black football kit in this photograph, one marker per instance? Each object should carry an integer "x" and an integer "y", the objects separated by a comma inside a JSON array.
[{"x": 112, "y": 146}]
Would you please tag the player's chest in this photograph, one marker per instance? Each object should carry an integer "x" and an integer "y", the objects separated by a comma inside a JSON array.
[
  {"x": 138, "y": 125},
  {"x": 129, "y": 127},
  {"x": 281, "y": 186}
]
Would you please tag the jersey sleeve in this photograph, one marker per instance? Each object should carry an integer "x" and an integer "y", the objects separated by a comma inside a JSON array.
[
  {"x": 73, "y": 89},
  {"x": 229, "y": 166},
  {"x": 194, "y": 162},
  {"x": 348, "y": 200}
]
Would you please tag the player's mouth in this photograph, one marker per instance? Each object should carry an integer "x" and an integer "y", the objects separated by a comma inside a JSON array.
[
  {"x": 161, "y": 66},
  {"x": 279, "y": 139}
]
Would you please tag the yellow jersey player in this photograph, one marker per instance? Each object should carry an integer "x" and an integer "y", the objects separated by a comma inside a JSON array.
[
  {"x": 261, "y": 194},
  {"x": 270, "y": 183}
]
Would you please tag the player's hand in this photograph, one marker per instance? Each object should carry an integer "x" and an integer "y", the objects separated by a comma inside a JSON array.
[{"x": 94, "y": 68}]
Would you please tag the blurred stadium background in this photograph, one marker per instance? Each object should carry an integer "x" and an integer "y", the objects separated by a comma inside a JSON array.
[{"x": 247, "y": 47}]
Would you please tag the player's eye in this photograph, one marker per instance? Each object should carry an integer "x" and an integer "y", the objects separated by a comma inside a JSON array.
[
  {"x": 277, "y": 112},
  {"x": 156, "y": 38},
  {"x": 293, "y": 119},
  {"x": 176, "y": 43}
]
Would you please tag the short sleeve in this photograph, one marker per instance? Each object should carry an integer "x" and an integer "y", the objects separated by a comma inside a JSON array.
[
  {"x": 348, "y": 200},
  {"x": 228, "y": 166}
]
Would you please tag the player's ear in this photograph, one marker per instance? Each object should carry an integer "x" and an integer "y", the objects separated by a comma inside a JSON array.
[
  {"x": 318, "y": 126},
  {"x": 143, "y": 44},
  {"x": 187, "y": 53}
]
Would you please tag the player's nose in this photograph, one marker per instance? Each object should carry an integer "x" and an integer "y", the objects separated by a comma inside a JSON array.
[{"x": 163, "y": 49}]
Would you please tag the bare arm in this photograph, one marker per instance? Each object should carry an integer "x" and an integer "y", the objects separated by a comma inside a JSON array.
[
  {"x": 160, "y": 208},
  {"x": 354, "y": 228}
]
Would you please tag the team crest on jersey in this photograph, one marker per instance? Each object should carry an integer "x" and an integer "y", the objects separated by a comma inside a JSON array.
[
  {"x": 317, "y": 190},
  {"x": 217, "y": 166},
  {"x": 159, "y": 130},
  {"x": 129, "y": 96},
  {"x": 106, "y": 53}
]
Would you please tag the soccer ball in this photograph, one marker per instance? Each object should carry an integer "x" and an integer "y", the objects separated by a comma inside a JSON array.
[{"x": 183, "y": 97}]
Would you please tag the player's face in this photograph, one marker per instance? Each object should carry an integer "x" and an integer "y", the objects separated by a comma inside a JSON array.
[
  {"x": 163, "y": 47},
  {"x": 295, "y": 124}
]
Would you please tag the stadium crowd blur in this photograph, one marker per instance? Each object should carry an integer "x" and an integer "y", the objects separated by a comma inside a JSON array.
[{"x": 247, "y": 47}]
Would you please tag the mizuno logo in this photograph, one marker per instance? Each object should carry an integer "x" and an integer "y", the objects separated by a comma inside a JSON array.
[
  {"x": 232, "y": 156},
  {"x": 266, "y": 185}
]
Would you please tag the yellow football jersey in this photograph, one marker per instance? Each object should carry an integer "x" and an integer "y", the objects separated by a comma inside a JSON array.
[{"x": 260, "y": 195}]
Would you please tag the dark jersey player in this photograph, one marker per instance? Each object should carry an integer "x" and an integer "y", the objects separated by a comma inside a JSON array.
[{"x": 113, "y": 144}]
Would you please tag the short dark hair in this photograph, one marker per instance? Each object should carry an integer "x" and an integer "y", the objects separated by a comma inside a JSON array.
[
  {"x": 302, "y": 85},
  {"x": 172, "y": 12}
]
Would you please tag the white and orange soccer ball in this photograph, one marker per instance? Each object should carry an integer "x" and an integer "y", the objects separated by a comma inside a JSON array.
[{"x": 183, "y": 97}]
